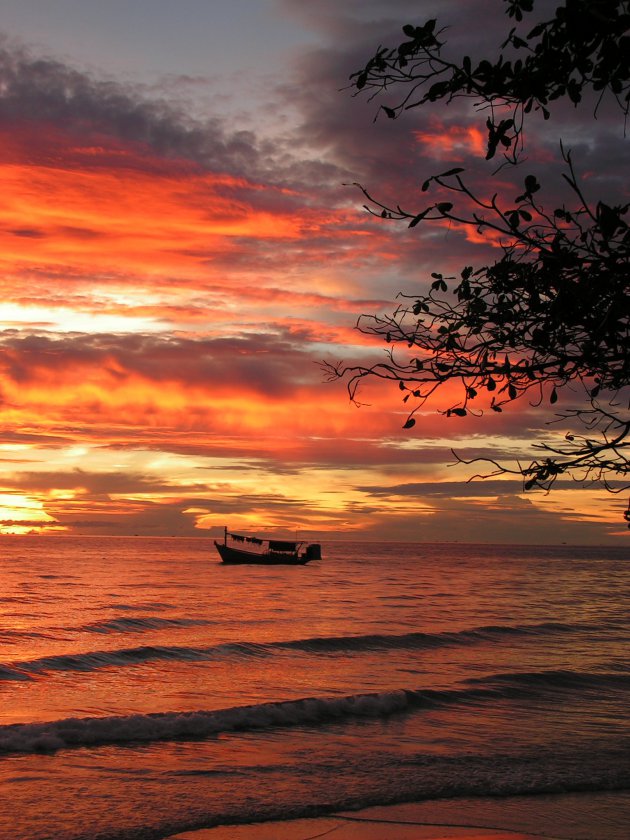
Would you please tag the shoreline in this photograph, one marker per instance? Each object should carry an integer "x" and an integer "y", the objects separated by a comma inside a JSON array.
[{"x": 588, "y": 815}]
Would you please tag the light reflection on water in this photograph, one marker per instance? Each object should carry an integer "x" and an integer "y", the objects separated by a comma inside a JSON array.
[{"x": 527, "y": 645}]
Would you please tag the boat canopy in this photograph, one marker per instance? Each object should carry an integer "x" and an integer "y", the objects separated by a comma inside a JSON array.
[
  {"x": 274, "y": 545},
  {"x": 281, "y": 545}
]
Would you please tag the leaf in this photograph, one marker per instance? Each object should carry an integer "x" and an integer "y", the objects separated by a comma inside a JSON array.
[
  {"x": 537, "y": 30},
  {"x": 554, "y": 397},
  {"x": 437, "y": 91},
  {"x": 514, "y": 219},
  {"x": 450, "y": 172},
  {"x": 418, "y": 218},
  {"x": 608, "y": 218},
  {"x": 460, "y": 412},
  {"x": 444, "y": 206},
  {"x": 410, "y": 423},
  {"x": 389, "y": 111},
  {"x": 531, "y": 184}
]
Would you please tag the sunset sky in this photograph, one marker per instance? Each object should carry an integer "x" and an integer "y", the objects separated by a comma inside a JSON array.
[{"x": 179, "y": 251}]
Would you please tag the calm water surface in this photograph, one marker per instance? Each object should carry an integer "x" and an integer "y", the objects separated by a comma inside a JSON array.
[{"x": 147, "y": 689}]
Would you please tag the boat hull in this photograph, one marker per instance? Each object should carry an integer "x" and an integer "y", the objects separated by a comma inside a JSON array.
[{"x": 236, "y": 556}]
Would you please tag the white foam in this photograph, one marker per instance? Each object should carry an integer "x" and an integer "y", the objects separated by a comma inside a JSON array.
[{"x": 75, "y": 732}]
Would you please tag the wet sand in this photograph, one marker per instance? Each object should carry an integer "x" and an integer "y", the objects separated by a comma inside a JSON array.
[
  {"x": 395, "y": 822},
  {"x": 584, "y": 815}
]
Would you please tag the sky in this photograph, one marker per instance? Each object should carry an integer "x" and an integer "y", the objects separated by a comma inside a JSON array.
[{"x": 180, "y": 249}]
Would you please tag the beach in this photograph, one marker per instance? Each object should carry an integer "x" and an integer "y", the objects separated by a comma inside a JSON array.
[{"x": 556, "y": 818}]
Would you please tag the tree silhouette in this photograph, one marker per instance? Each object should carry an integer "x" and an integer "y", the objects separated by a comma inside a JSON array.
[{"x": 552, "y": 310}]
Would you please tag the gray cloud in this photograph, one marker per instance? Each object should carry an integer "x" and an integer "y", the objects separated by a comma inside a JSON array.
[{"x": 270, "y": 364}]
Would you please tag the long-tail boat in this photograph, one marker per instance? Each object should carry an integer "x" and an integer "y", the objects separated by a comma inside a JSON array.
[{"x": 241, "y": 549}]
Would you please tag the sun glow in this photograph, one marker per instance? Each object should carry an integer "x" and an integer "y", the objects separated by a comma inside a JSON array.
[{"x": 20, "y": 514}]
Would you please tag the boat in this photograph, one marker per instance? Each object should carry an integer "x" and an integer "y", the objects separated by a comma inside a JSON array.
[{"x": 266, "y": 552}]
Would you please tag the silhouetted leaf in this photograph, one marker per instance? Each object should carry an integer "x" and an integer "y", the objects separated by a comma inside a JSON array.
[
  {"x": 418, "y": 218},
  {"x": 410, "y": 423},
  {"x": 531, "y": 184}
]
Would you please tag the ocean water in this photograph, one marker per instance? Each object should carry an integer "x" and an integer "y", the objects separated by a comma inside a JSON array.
[{"x": 146, "y": 689}]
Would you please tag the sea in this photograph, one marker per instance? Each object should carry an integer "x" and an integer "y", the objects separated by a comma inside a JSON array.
[{"x": 146, "y": 689}]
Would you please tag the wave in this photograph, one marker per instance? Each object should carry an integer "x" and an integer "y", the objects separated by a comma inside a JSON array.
[
  {"x": 38, "y": 737},
  {"x": 131, "y": 624},
  {"x": 125, "y": 657},
  {"x": 8, "y": 636},
  {"x": 95, "y": 660},
  {"x": 311, "y": 711},
  {"x": 554, "y": 680},
  {"x": 419, "y": 641}
]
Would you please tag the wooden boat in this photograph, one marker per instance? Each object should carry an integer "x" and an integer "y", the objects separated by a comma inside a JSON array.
[{"x": 266, "y": 552}]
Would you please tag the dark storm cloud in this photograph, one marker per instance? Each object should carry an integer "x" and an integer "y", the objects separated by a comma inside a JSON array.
[
  {"x": 38, "y": 91},
  {"x": 390, "y": 157},
  {"x": 45, "y": 90}
]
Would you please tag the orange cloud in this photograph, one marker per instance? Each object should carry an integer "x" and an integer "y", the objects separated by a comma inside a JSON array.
[{"x": 455, "y": 142}]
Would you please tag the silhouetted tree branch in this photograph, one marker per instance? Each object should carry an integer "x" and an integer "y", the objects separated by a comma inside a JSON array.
[
  {"x": 584, "y": 47},
  {"x": 553, "y": 310}
]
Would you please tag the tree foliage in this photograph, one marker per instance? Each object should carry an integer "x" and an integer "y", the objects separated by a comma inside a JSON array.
[{"x": 552, "y": 311}]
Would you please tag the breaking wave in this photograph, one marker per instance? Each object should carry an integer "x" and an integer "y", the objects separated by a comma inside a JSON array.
[{"x": 311, "y": 711}]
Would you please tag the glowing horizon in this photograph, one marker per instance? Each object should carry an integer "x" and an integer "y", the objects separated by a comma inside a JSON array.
[{"x": 171, "y": 285}]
